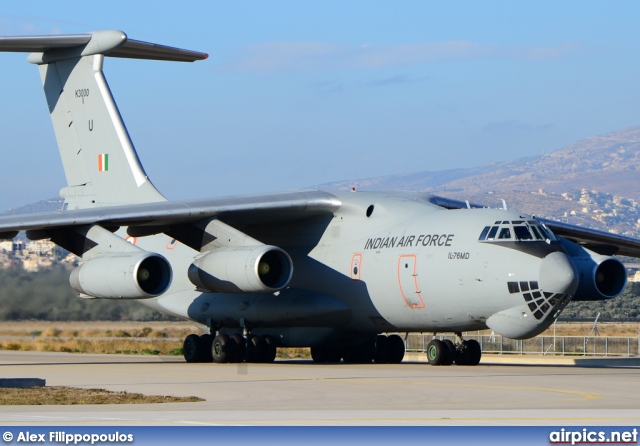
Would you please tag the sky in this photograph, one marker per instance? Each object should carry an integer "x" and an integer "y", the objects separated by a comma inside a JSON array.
[{"x": 296, "y": 94}]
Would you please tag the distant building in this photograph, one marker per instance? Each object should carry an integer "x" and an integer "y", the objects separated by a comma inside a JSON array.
[
  {"x": 11, "y": 246},
  {"x": 41, "y": 248},
  {"x": 635, "y": 277}
]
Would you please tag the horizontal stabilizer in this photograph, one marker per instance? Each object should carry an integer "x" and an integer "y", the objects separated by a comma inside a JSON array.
[{"x": 108, "y": 43}]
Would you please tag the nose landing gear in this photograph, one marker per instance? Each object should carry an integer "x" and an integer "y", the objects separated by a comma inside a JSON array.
[{"x": 446, "y": 352}]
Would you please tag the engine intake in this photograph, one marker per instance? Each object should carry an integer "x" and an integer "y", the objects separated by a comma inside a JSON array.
[
  {"x": 138, "y": 275},
  {"x": 242, "y": 269},
  {"x": 601, "y": 277}
]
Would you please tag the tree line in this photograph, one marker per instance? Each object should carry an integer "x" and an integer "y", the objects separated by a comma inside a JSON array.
[{"x": 46, "y": 295}]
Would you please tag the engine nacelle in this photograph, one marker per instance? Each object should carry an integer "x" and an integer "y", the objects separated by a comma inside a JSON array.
[
  {"x": 242, "y": 269},
  {"x": 600, "y": 277},
  {"x": 137, "y": 275}
]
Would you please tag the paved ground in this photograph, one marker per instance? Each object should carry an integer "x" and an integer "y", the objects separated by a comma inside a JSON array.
[{"x": 303, "y": 393}]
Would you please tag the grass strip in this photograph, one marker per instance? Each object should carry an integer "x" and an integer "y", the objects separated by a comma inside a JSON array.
[{"x": 69, "y": 396}]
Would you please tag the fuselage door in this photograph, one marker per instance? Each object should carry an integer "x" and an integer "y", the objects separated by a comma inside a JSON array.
[{"x": 408, "y": 281}]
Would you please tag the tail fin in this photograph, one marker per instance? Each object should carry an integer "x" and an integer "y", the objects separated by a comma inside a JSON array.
[{"x": 100, "y": 162}]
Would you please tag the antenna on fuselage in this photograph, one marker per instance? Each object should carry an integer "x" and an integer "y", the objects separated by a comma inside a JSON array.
[{"x": 504, "y": 205}]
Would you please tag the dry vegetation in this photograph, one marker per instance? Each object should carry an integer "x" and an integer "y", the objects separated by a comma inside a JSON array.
[
  {"x": 153, "y": 338},
  {"x": 135, "y": 338},
  {"x": 165, "y": 338},
  {"x": 38, "y": 396}
]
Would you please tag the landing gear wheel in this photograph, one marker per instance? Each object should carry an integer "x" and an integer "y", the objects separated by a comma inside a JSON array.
[
  {"x": 360, "y": 353},
  {"x": 270, "y": 349},
  {"x": 256, "y": 349},
  {"x": 438, "y": 353},
  {"x": 206, "y": 342},
  {"x": 238, "y": 348},
  {"x": 395, "y": 352},
  {"x": 382, "y": 350},
  {"x": 333, "y": 353},
  {"x": 318, "y": 354},
  {"x": 453, "y": 353},
  {"x": 221, "y": 349},
  {"x": 470, "y": 353},
  {"x": 192, "y": 349}
]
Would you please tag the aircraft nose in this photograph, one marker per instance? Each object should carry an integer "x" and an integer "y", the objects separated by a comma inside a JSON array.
[{"x": 558, "y": 274}]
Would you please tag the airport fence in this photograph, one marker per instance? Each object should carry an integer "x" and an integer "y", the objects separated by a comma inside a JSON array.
[{"x": 542, "y": 345}]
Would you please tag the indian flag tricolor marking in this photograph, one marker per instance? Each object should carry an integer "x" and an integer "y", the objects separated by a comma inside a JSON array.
[{"x": 103, "y": 162}]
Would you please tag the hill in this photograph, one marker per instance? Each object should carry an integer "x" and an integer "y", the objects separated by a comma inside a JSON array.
[{"x": 593, "y": 182}]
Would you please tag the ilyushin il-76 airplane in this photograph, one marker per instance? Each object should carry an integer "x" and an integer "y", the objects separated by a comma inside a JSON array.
[{"x": 340, "y": 272}]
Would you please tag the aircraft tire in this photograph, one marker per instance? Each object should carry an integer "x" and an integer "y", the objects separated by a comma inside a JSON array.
[
  {"x": 382, "y": 350},
  {"x": 206, "y": 343},
  {"x": 333, "y": 354},
  {"x": 270, "y": 349},
  {"x": 318, "y": 354},
  {"x": 395, "y": 352},
  {"x": 452, "y": 351},
  {"x": 192, "y": 348},
  {"x": 475, "y": 351},
  {"x": 438, "y": 353},
  {"x": 470, "y": 353},
  {"x": 239, "y": 347},
  {"x": 359, "y": 354},
  {"x": 256, "y": 349},
  {"x": 462, "y": 358},
  {"x": 221, "y": 349}
]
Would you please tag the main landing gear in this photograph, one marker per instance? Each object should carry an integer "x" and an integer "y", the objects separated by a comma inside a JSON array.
[
  {"x": 224, "y": 348},
  {"x": 446, "y": 352},
  {"x": 380, "y": 349}
]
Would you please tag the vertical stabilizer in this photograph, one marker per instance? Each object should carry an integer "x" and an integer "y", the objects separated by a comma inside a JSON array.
[{"x": 100, "y": 163}]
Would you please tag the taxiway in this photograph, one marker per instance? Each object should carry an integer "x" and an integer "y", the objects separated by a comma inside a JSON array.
[{"x": 303, "y": 393}]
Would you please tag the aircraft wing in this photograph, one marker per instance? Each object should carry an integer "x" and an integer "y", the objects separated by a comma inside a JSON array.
[
  {"x": 270, "y": 207},
  {"x": 601, "y": 242}
]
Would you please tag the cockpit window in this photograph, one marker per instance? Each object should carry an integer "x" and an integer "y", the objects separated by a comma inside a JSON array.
[
  {"x": 505, "y": 233},
  {"x": 520, "y": 230},
  {"x": 537, "y": 232},
  {"x": 548, "y": 233},
  {"x": 492, "y": 233}
]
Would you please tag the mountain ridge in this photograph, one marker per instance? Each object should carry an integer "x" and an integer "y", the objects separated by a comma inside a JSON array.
[{"x": 593, "y": 182}]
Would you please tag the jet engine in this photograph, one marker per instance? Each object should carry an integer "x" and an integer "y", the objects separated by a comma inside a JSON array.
[
  {"x": 600, "y": 277},
  {"x": 128, "y": 275},
  {"x": 242, "y": 269}
]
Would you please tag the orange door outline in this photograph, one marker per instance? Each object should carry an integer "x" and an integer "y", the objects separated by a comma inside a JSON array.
[{"x": 408, "y": 281}]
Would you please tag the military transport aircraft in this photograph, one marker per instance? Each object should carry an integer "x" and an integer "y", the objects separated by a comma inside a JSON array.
[{"x": 334, "y": 271}]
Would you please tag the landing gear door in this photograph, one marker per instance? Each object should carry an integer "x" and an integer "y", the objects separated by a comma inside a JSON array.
[{"x": 408, "y": 281}]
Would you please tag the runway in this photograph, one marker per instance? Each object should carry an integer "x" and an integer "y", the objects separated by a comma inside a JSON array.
[{"x": 303, "y": 393}]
